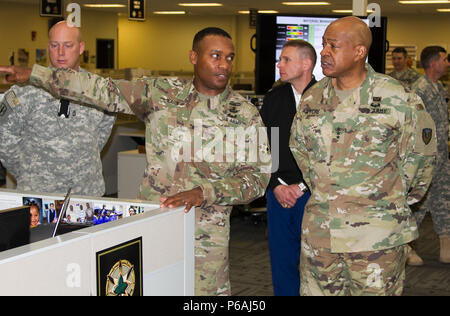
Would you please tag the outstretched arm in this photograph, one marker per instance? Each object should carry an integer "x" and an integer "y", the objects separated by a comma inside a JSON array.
[{"x": 112, "y": 95}]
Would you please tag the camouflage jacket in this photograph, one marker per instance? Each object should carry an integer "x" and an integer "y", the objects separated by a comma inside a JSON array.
[
  {"x": 406, "y": 78},
  {"x": 435, "y": 98},
  {"x": 217, "y": 143},
  {"x": 365, "y": 159},
  {"x": 48, "y": 153}
]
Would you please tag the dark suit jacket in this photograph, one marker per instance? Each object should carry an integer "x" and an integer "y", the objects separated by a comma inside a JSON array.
[{"x": 278, "y": 110}]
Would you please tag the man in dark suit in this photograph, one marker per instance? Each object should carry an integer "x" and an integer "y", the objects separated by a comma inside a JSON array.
[{"x": 287, "y": 194}]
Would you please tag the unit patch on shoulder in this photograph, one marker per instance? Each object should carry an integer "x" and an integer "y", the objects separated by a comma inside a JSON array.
[{"x": 427, "y": 134}]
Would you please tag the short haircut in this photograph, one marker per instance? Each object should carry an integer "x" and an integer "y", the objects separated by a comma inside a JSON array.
[
  {"x": 430, "y": 54},
  {"x": 305, "y": 48},
  {"x": 400, "y": 50},
  {"x": 205, "y": 32},
  {"x": 65, "y": 22}
]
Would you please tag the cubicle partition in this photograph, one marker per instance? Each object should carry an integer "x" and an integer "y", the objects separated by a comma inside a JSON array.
[{"x": 151, "y": 253}]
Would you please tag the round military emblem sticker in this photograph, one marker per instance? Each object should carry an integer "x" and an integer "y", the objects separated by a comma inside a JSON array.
[{"x": 121, "y": 280}]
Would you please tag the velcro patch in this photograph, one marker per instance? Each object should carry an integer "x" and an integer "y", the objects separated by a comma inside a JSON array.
[{"x": 11, "y": 99}]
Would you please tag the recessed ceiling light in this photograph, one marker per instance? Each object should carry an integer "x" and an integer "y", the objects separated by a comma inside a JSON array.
[
  {"x": 104, "y": 5},
  {"x": 349, "y": 11},
  {"x": 205, "y": 4},
  {"x": 259, "y": 11},
  {"x": 305, "y": 3},
  {"x": 425, "y": 2},
  {"x": 169, "y": 12}
]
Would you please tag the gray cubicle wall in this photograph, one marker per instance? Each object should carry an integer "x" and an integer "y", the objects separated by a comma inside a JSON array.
[{"x": 67, "y": 264}]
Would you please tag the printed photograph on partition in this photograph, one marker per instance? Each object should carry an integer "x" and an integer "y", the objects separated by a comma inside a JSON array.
[
  {"x": 50, "y": 211},
  {"x": 107, "y": 212},
  {"x": 134, "y": 210},
  {"x": 79, "y": 212},
  {"x": 43, "y": 211},
  {"x": 36, "y": 212}
]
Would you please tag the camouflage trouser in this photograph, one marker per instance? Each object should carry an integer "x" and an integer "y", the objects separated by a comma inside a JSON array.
[
  {"x": 212, "y": 232},
  {"x": 361, "y": 273},
  {"x": 437, "y": 202}
]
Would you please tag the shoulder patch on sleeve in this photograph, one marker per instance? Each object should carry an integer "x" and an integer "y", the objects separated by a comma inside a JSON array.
[{"x": 426, "y": 135}]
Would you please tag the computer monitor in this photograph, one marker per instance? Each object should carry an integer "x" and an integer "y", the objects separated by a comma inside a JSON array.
[
  {"x": 273, "y": 30},
  {"x": 14, "y": 227}
]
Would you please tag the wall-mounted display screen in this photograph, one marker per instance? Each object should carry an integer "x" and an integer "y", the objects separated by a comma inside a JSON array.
[{"x": 273, "y": 30}]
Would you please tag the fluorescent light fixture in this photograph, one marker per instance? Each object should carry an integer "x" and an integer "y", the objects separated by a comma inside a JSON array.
[
  {"x": 259, "y": 11},
  {"x": 349, "y": 11},
  {"x": 305, "y": 3},
  {"x": 443, "y": 10},
  {"x": 104, "y": 5},
  {"x": 205, "y": 4},
  {"x": 169, "y": 12},
  {"x": 425, "y": 2}
]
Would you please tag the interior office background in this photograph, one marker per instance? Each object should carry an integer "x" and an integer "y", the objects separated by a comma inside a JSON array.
[{"x": 161, "y": 43}]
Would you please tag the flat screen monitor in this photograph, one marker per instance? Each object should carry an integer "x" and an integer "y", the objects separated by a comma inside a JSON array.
[
  {"x": 273, "y": 30},
  {"x": 14, "y": 227}
]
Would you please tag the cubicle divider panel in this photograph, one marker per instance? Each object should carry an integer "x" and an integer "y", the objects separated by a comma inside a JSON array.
[{"x": 148, "y": 254}]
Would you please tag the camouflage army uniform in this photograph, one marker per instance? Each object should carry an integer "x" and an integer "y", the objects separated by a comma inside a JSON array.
[
  {"x": 173, "y": 110},
  {"x": 437, "y": 200},
  {"x": 48, "y": 153},
  {"x": 365, "y": 159},
  {"x": 406, "y": 77}
]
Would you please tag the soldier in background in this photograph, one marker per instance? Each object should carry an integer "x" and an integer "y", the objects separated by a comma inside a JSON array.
[
  {"x": 435, "y": 62},
  {"x": 182, "y": 115},
  {"x": 47, "y": 143},
  {"x": 402, "y": 72},
  {"x": 366, "y": 149}
]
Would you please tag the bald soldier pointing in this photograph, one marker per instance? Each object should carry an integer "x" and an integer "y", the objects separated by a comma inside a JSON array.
[{"x": 366, "y": 149}]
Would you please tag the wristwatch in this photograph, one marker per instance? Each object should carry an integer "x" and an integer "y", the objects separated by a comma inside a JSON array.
[{"x": 303, "y": 187}]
